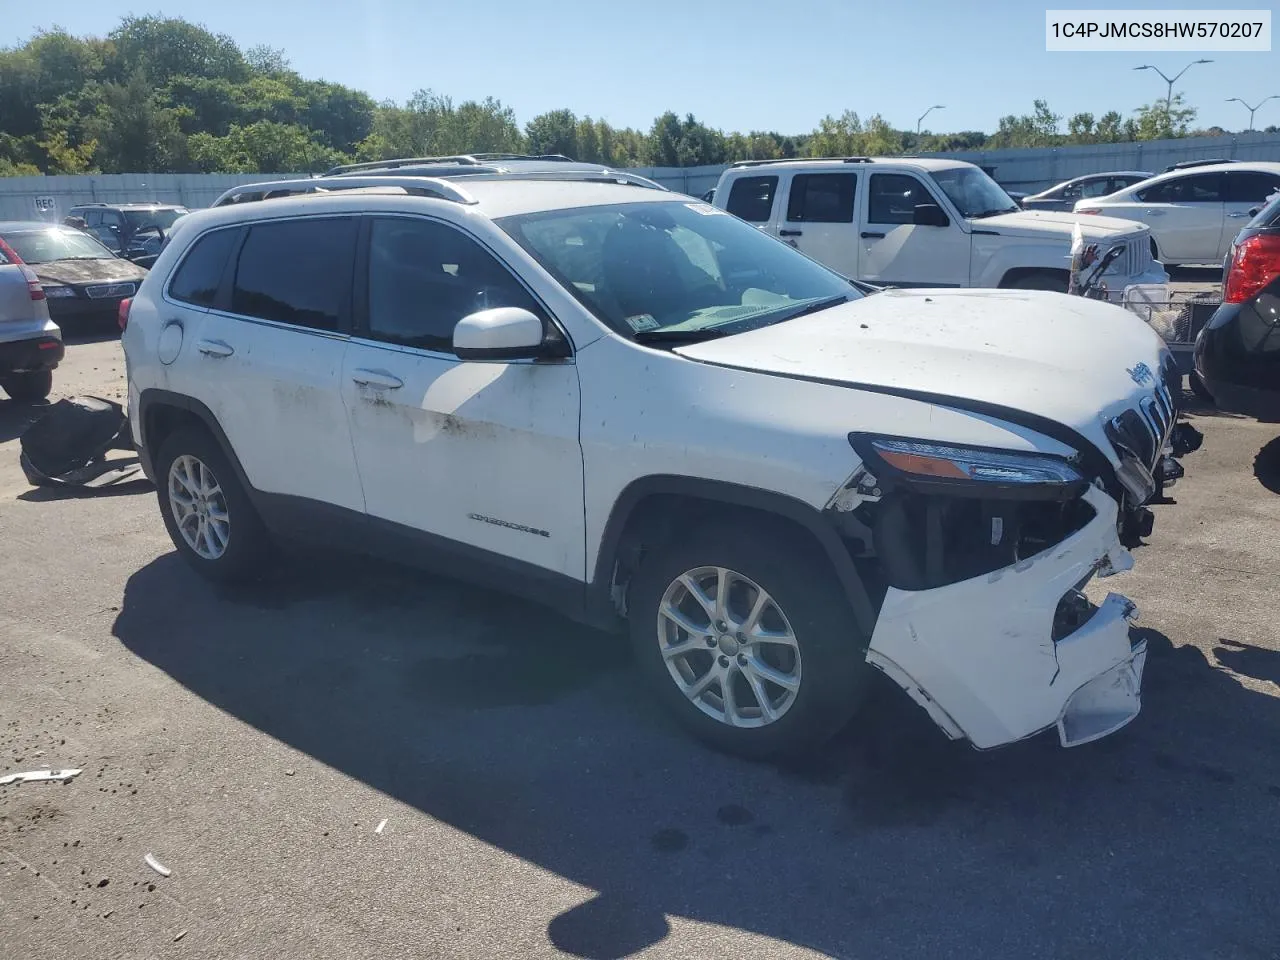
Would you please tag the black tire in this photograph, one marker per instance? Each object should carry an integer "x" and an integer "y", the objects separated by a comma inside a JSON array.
[
  {"x": 28, "y": 387},
  {"x": 1200, "y": 390},
  {"x": 248, "y": 547},
  {"x": 1040, "y": 280},
  {"x": 833, "y": 667}
]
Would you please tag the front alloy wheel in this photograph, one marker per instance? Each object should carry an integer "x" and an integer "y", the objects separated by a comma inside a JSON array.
[
  {"x": 199, "y": 507},
  {"x": 729, "y": 647}
]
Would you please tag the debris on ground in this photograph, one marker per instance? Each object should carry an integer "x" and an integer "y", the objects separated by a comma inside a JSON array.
[
  {"x": 380, "y": 827},
  {"x": 179, "y": 936},
  {"x": 157, "y": 866},
  {"x": 32, "y": 776}
]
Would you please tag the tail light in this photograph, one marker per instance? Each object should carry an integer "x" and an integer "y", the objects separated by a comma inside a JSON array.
[
  {"x": 1255, "y": 262},
  {"x": 33, "y": 283},
  {"x": 122, "y": 315}
]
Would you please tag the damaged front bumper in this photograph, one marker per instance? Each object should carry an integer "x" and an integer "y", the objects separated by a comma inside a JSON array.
[{"x": 983, "y": 657}]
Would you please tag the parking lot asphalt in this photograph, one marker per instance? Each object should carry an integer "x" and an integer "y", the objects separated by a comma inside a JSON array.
[{"x": 537, "y": 803}]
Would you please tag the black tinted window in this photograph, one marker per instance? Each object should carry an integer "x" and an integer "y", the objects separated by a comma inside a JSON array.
[
  {"x": 751, "y": 198},
  {"x": 1203, "y": 188},
  {"x": 296, "y": 271},
  {"x": 425, "y": 276},
  {"x": 196, "y": 280},
  {"x": 894, "y": 196},
  {"x": 822, "y": 197},
  {"x": 1246, "y": 187}
]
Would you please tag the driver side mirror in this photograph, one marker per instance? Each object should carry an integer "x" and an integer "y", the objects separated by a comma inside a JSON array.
[
  {"x": 505, "y": 333},
  {"x": 929, "y": 215},
  {"x": 1254, "y": 211}
]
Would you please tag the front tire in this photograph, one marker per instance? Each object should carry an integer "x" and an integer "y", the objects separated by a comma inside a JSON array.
[
  {"x": 206, "y": 510},
  {"x": 750, "y": 643},
  {"x": 28, "y": 387}
]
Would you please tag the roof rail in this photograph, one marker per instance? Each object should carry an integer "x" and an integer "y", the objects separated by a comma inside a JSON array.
[
  {"x": 94, "y": 204},
  {"x": 471, "y": 159},
  {"x": 603, "y": 175},
  {"x": 272, "y": 189},
  {"x": 761, "y": 163}
]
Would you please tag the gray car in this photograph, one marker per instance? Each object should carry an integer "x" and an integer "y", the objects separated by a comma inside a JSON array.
[
  {"x": 30, "y": 343},
  {"x": 1065, "y": 195}
]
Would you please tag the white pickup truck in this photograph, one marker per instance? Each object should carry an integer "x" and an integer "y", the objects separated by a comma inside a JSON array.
[{"x": 921, "y": 222}]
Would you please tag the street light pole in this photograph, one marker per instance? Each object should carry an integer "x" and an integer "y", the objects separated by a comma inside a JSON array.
[
  {"x": 936, "y": 106},
  {"x": 1168, "y": 100},
  {"x": 1253, "y": 110}
]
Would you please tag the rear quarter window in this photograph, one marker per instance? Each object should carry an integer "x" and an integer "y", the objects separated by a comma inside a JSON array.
[
  {"x": 199, "y": 275},
  {"x": 751, "y": 198}
]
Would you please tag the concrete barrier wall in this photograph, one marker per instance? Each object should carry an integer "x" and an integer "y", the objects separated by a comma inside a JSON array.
[{"x": 48, "y": 198}]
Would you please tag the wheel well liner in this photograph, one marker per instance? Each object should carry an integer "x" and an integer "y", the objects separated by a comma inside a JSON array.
[
  {"x": 653, "y": 499},
  {"x": 160, "y": 412}
]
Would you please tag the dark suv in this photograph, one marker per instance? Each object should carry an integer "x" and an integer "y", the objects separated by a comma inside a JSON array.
[{"x": 135, "y": 231}]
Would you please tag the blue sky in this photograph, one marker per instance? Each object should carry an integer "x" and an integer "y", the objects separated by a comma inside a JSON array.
[{"x": 745, "y": 64}]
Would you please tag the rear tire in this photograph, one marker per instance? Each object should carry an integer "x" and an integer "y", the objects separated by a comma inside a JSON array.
[
  {"x": 1040, "y": 280},
  {"x": 206, "y": 510},
  {"x": 1200, "y": 390},
  {"x": 28, "y": 387},
  {"x": 805, "y": 655}
]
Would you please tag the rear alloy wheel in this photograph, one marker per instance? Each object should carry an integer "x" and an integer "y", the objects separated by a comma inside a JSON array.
[
  {"x": 750, "y": 643},
  {"x": 28, "y": 387},
  {"x": 207, "y": 512}
]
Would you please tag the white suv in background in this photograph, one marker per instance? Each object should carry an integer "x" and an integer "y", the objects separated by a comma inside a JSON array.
[
  {"x": 627, "y": 405},
  {"x": 1195, "y": 213},
  {"x": 919, "y": 222}
]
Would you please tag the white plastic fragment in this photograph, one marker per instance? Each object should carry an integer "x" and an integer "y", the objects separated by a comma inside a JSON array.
[
  {"x": 31, "y": 776},
  {"x": 380, "y": 827},
  {"x": 157, "y": 866}
]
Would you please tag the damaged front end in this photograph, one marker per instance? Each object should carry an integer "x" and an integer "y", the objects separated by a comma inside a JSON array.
[{"x": 982, "y": 558}]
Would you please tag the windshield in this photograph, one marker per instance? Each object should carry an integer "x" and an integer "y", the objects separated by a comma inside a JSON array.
[
  {"x": 164, "y": 218},
  {"x": 57, "y": 243},
  {"x": 677, "y": 267},
  {"x": 973, "y": 192}
]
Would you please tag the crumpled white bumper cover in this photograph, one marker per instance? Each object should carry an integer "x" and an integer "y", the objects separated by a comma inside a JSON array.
[{"x": 979, "y": 655}]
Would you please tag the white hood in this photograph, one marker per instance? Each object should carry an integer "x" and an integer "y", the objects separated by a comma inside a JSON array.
[
  {"x": 1064, "y": 358},
  {"x": 1056, "y": 223}
]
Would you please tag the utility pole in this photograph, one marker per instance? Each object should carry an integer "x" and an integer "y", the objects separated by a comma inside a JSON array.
[
  {"x": 1168, "y": 100},
  {"x": 936, "y": 106},
  {"x": 1252, "y": 110}
]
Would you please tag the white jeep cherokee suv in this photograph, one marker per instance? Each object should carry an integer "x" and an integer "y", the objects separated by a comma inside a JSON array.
[
  {"x": 924, "y": 222},
  {"x": 625, "y": 404}
]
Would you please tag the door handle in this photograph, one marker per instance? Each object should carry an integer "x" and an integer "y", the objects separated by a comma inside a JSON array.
[
  {"x": 867, "y": 235},
  {"x": 790, "y": 233},
  {"x": 1155, "y": 213},
  {"x": 215, "y": 348},
  {"x": 1235, "y": 215},
  {"x": 378, "y": 379}
]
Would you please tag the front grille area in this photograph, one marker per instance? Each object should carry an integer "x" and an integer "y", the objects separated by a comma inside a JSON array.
[
  {"x": 102, "y": 291},
  {"x": 1137, "y": 251},
  {"x": 1144, "y": 431}
]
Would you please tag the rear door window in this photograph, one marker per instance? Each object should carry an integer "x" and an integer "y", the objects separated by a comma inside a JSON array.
[
  {"x": 822, "y": 198},
  {"x": 198, "y": 277},
  {"x": 297, "y": 272},
  {"x": 751, "y": 198},
  {"x": 1251, "y": 187}
]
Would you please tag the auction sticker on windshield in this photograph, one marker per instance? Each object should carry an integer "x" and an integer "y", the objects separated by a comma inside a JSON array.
[{"x": 642, "y": 321}]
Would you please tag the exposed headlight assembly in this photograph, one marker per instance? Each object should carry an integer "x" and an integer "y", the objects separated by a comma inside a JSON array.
[{"x": 968, "y": 471}]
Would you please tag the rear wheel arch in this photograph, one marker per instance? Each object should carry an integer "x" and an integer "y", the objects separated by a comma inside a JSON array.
[
  {"x": 161, "y": 413},
  {"x": 653, "y": 510}
]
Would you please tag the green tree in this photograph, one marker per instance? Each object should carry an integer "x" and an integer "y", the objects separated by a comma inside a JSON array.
[
  {"x": 553, "y": 132},
  {"x": 166, "y": 47},
  {"x": 134, "y": 131},
  {"x": 1163, "y": 121}
]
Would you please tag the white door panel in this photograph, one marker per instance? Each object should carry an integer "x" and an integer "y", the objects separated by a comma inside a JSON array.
[
  {"x": 275, "y": 391},
  {"x": 895, "y": 251},
  {"x": 1184, "y": 232},
  {"x": 484, "y": 454},
  {"x": 818, "y": 215}
]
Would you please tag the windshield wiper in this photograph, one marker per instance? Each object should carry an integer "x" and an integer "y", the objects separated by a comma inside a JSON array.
[
  {"x": 816, "y": 306},
  {"x": 679, "y": 336},
  {"x": 992, "y": 213}
]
